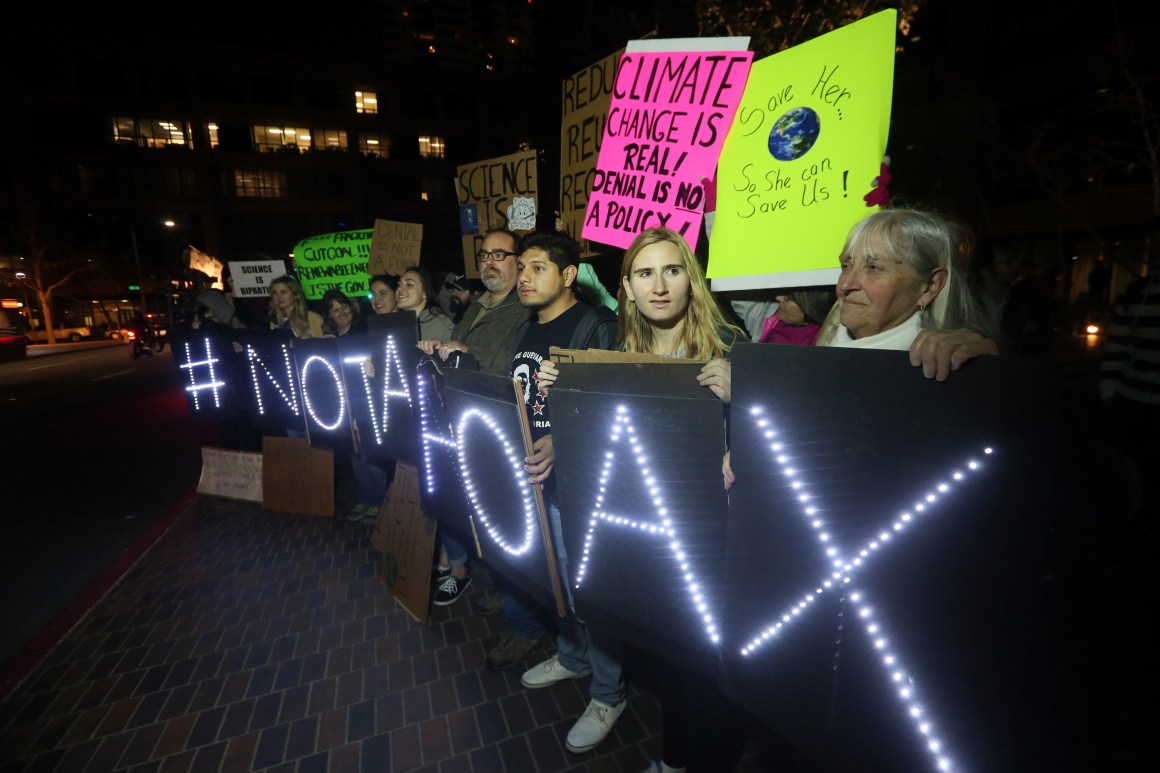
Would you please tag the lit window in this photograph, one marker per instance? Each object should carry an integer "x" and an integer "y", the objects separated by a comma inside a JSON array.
[
  {"x": 274, "y": 139},
  {"x": 330, "y": 139},
  {"x": 151, "y": 133},
  {"x": 212, "y": 128},
  {"x": 431, "y": 147},
  {"x": 366, "y": 102},
  {"x": 377, "y": 145},
  {"x": 259, "y": 184}
]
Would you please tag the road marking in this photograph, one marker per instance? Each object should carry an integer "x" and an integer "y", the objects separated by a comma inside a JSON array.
[
  {"x": 113, "y": 375},
  {"x": 41, "y": 367}
]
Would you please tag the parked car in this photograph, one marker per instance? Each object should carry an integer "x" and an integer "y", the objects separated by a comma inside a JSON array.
[
  {"x": 13, "y": 344},
  {"x": 63, "y": 333}
]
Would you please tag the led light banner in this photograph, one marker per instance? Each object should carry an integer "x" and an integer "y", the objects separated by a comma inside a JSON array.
[
  {"x": 322, "y": 379},
  {"x": 897, "y": 527},
  {"x": 385, "y": 412},
  {"x": 803, "y": 149},
  {"x": 441, "y": 489},
  {"x": 394, "y": 247},
  {"x": 666, "y": 126},
  {"x": 274, "y": 395},
  {"x": 336, "y": 261},
  {"x": 488, "y": 420},
  {"x": 638, "y": 466},
  {"x": 210, "y": 373},
  {"x": 496, "y": 193},
  {"x": 587, "y": 96},
  {"x": 251, "y": 278}
]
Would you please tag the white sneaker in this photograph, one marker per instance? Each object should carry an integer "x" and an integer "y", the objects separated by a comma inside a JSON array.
[
  {"x": 549, "y": 672},
  {"x": 655, "y": 766},
  {"x": 592, "y": 728}
]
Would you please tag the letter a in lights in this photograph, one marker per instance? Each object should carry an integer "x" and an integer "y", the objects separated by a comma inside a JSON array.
[
  {"x": 661, "y": 527},
  {"x": 841, "y": 575}
]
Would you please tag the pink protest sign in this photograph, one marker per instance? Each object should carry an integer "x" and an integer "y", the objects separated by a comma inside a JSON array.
[{"x": 666, "y": 125}]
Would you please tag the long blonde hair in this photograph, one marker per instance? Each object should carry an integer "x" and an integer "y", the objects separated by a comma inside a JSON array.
[
  {"x": 299, "y": 320},
  {"x": 704, "y": 324}
]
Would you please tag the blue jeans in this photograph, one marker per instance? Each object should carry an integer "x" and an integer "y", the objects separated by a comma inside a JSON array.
[
  {"x": 370, "y": 481},
  {"x": 456, "y": 550},
  {"x": 577, "y": 646}
]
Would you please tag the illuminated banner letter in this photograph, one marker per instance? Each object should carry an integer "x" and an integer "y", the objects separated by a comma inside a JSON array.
[
  {"x": 898, "y": 530},
  {"x": 441, "y": 488},
  {"x": 335, "y": 261},
  {"x": 384, "y": 411},
  {"x": 206, "y": 374},
  {"x": 669, "y": 116},
  {"x": 804, "y": 148},
  {"x": 508, "y": 515},
  {"x": 586, "y": 98},
  {"x": 275, "y": 400},
  {"x": 394, "y": 247},
  {"x": 639, "y": 482},
  {"x": 496, "y": 193},
  {"x": 322, "y": 381}
]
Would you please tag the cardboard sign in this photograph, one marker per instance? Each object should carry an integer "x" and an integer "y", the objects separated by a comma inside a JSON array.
[
  {"x": 336, "y": 261},
  {"x": 899, "y": 528},
  {"x": 297, "y": 478},
  {"x": 669, "y": 116},
  {"x": 406, "y": 538},
  {"x": 804, "y": 148},
  {"x": 604, "y": 355},
  {"x": 496, "y": 193},
  {"x": 252, "y": 277},
  {"x": 230, "y": 474},
  {"x": 395, "y": 247},
  {"x": 586, "y": 97}
]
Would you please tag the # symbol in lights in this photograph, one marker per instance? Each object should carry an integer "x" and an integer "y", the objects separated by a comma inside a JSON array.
[
  {"x": 841, "y": 578},
  {"x": 214, "y": 384},
  {"x": 661, "y": 527}
]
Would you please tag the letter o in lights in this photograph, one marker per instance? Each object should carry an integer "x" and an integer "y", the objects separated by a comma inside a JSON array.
[
  {"x": 515, "y": 464},
  {"x": 306, "y": 393}
]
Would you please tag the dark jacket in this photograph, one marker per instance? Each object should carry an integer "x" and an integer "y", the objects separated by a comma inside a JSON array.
[
  {"x": 491, "y": 341},
  {"x": 597, "y": 330}
]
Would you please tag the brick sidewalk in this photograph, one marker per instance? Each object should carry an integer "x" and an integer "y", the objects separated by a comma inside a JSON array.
[{"x": 254, "y": 640}]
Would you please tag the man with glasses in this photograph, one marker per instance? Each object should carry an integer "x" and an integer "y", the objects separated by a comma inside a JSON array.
[{"x": 486, "y": 330}]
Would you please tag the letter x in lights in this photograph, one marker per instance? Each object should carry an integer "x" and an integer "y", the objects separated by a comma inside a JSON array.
[
  {"x": 661, "y": 527},
  {"x": 515, "y": 464},
  {"x": 841, "y": 579},
  {"x": 208, "y": 363}
]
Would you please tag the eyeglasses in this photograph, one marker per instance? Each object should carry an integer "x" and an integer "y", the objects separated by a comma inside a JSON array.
[{"x": 495, "y": 256}]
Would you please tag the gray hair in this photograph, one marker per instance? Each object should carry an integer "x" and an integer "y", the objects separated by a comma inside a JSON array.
[{"x": 927, "y": 242}]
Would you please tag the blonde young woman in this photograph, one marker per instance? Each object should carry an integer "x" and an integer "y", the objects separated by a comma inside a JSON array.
[{"x": 288, "y": 309}]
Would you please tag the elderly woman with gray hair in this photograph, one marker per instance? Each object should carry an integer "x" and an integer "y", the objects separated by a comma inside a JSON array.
[{"x": 904, "y": 282}]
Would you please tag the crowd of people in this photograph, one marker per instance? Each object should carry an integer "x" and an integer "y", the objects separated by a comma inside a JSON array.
[{"x": 906, "y": 283}]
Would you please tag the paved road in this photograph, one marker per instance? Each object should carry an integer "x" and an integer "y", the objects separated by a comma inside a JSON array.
[{"x": 96, "y": 448}]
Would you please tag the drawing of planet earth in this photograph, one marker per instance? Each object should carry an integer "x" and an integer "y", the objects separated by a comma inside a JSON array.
[{"x": 794, "y": 134}]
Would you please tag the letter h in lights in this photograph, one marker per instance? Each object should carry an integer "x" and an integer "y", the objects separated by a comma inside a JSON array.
[
  {"x": 209, "y": 366},
  {"x": 661, "y": 527},
  {"x": 841, "y": 579}
]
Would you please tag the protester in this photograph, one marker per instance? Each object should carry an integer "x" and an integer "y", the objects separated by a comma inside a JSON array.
[
  {"x": 798, "y": 318},
  {"x": 417, "y": 294},
  {"x": 383, "y": 288},
  {"x": 547, "y": 274},
  {"x": 288, "y": 309},
  {"x": 487, "y": 331},
  {"x": 343, "y": 315}
]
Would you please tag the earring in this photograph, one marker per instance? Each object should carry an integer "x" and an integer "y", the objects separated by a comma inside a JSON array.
[{"x": 921, "y": 307}]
